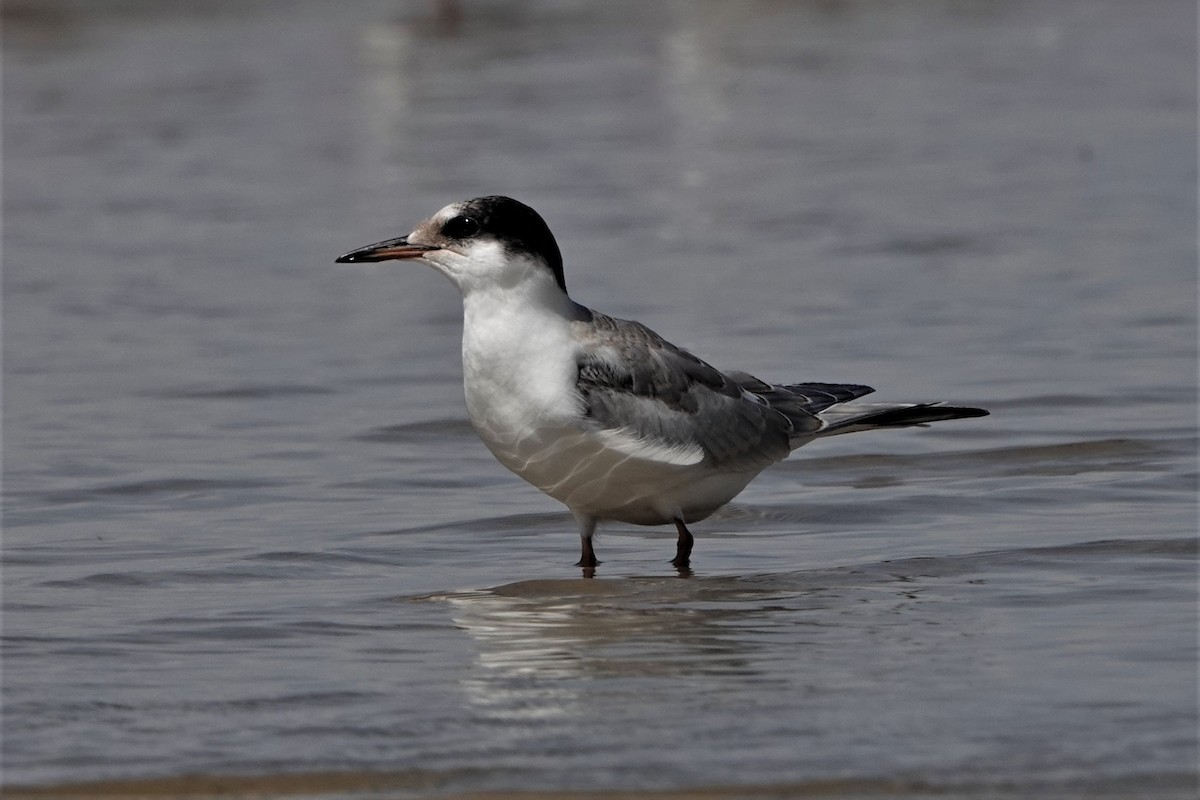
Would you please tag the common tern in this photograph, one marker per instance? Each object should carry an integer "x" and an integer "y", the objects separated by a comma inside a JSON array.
[{"x": 603, "y": 414}]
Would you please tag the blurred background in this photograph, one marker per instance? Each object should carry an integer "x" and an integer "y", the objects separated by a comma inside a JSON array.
[{"x": 247, "y": 529}]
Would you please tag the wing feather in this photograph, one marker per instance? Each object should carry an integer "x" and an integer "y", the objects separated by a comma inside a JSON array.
[
  {"x": 653, "y": 400},
  {"x": 633, "y": 381}
]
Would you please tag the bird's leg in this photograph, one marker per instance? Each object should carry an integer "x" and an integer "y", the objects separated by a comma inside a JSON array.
[
  {"x": 683, "y": 546},
  {"x": 587, "y": 558}
]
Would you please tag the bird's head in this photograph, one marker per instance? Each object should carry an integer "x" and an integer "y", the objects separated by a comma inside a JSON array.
[{"x": 485, "y": 243}]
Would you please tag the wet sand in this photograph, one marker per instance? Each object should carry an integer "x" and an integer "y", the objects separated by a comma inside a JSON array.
[{"x": 348, "y": 785}]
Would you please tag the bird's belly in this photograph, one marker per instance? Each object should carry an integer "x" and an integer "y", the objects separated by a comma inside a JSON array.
[{"x": 578, "y": 468}]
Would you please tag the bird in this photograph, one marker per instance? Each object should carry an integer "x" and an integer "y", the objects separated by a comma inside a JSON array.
[{"x": 603, "y": 414}]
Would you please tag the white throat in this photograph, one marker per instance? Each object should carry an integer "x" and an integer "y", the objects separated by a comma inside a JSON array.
[{"x": 519, "y": 357}]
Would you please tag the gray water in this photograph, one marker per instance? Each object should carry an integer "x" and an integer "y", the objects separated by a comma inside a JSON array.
[{"x": 247, "y": 529}]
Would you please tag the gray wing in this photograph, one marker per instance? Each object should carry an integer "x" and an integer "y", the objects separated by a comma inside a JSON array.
[
  {"x": 632, "y": 380},
  {"x": 819, "y": 396},
  {"x": 812, "y": 398}
]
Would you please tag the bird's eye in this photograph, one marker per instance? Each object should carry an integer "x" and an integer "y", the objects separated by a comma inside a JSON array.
[{"x": 461, "y": 227}]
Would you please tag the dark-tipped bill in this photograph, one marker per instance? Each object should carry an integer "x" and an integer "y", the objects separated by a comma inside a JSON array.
[{"x": 385, "y": 251}]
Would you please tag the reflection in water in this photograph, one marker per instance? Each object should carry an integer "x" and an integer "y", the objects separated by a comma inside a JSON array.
[
  {"x": 527, "y": 656},
  {"x": 541, "y": 641},
  {"x": 802, "y": 646},
  {"x": 544, "y": 645}
]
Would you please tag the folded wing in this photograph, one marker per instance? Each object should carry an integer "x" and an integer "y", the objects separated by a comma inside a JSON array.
[
  {"x": 654, "y": 400},
  {"x": 636, "y": 385}
]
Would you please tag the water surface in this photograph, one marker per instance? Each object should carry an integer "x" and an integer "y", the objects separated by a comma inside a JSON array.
[{"x": 248, "y": 531}]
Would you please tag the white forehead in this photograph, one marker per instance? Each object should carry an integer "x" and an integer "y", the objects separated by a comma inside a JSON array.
[{"x": 448, "y": 213}]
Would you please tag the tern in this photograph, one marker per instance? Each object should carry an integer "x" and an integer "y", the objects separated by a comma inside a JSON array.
[{"x": 603, "y": 414}]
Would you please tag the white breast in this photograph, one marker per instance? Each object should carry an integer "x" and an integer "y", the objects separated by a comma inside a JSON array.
[{"x": 520, "y": 369}]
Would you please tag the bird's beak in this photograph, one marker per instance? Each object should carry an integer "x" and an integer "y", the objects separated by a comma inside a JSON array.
[{"x": 386, "y": 251}]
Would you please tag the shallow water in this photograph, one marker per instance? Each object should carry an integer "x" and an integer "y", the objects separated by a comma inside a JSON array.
[{"x": 247, "y": 529}]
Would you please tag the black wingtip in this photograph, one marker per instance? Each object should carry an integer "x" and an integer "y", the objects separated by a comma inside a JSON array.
[
  {"x": 924, "y": 414},
  {"x": 903, "y": 417}
]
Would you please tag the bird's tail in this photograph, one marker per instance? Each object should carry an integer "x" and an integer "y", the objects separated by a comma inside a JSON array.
[
  {"x": 827, "y": 409},
  {"x": 867, "y": 416}
]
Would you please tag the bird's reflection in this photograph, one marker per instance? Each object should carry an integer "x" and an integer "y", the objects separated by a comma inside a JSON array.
[
  {"x": 547, "y": 649},
  {"x": 542, "y": 644}
]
